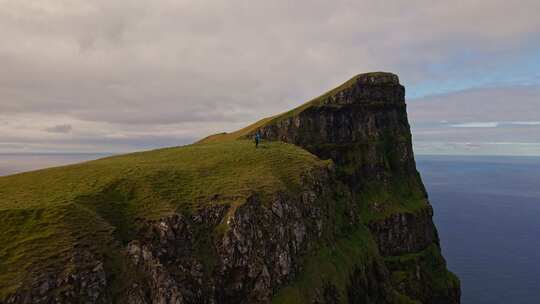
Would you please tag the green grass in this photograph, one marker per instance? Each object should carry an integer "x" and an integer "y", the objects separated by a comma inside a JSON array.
[
  {"x": 178, "y": 177},
  {"x": 45, "y": 215}
]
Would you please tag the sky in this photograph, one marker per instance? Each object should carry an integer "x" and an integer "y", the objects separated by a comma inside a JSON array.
[{"x": 116, "y": 76}]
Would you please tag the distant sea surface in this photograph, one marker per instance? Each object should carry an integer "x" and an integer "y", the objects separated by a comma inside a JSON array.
[
  {"x": 16, "y": 163},
  {"x": 487, "y": 211}
]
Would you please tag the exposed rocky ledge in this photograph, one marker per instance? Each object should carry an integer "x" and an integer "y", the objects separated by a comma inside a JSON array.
[
  {"x": 228, "y": 254},
  {"x": 402, "y": 233},
  {"x": 75, "y": 285}
]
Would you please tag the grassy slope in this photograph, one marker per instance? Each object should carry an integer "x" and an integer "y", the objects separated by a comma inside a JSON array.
[{"x": 45, "y": 214}]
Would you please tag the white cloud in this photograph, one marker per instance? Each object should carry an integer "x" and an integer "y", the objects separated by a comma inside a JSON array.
[
  {"x": 153, "y": 72},
  {"x": 478, "y": 148},
  {"x": 491, "y": 124},
  {"x": 476, "y": 125},
  {"x": 525, "y": 123},
  {"x": 491, "y": 120}
]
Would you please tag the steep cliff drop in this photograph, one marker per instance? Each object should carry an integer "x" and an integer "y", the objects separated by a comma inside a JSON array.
[
  {"x": 329, "y": 209},
  {"x": 362, "y": 126}
]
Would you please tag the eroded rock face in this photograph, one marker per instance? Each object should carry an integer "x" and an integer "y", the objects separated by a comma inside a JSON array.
[
  {"x": 364, "y": 130},
  {"x": 258, "y": 250},
  {"x": 403, "y": 233},
  {"x": 356, "y": 127},
  {"x": 369, "y": 284},
  {"x": 77, "y": 284}
]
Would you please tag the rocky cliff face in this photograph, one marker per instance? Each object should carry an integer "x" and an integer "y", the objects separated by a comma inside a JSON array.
[
  {"x": 359, "y": 231},
  {"x": 232, "y": 255},
  {"x": 78, "y": 285},
  {"x": 363, "y": 127},
  {"x": 229, "y": 253}
]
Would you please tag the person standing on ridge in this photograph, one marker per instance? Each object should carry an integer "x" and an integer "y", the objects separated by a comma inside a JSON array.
[{"x": 257, "y": 139}]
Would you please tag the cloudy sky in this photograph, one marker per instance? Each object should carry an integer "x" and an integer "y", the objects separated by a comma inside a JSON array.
[{"x": 119, "y": 75}]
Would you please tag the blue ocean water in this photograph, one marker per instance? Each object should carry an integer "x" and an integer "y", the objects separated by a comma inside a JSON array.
[{"x": 487, "y": 211}]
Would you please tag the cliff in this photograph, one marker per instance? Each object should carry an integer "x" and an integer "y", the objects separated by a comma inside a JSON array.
[{"x": 330, "y": 209}]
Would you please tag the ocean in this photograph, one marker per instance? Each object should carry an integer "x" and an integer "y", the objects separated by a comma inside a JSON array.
[{"x": 487, "y": 211}]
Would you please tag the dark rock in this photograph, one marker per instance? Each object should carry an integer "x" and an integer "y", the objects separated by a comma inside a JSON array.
[
  {"x": 403, "y": 233},
  {"x": 84, "y": 282},
  {"x": 364, "y": 129}
]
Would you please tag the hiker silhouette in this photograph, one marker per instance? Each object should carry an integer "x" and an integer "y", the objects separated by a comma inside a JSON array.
[{"x": 257, "y": 139}]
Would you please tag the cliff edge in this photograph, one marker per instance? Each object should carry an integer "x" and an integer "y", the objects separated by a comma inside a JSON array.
[
  {"x": 362, "y": 126},
  {"x": 329, "y": 209}
]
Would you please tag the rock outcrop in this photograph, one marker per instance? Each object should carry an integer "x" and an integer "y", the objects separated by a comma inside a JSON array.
[
  {"x": 363, "y": 127},
  {"x": 229, "y": 254},
  {"x": 84, "y": 285},
  {"x": 359, "y": 230}
]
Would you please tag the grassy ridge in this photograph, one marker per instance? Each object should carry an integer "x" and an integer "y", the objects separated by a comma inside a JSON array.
[
  {"x": 181, "y": 176},
  {"x": 45, "y": 215}
]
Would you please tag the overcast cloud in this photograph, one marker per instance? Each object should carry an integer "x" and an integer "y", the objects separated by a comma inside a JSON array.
[{"x": 115, "y": 76}]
